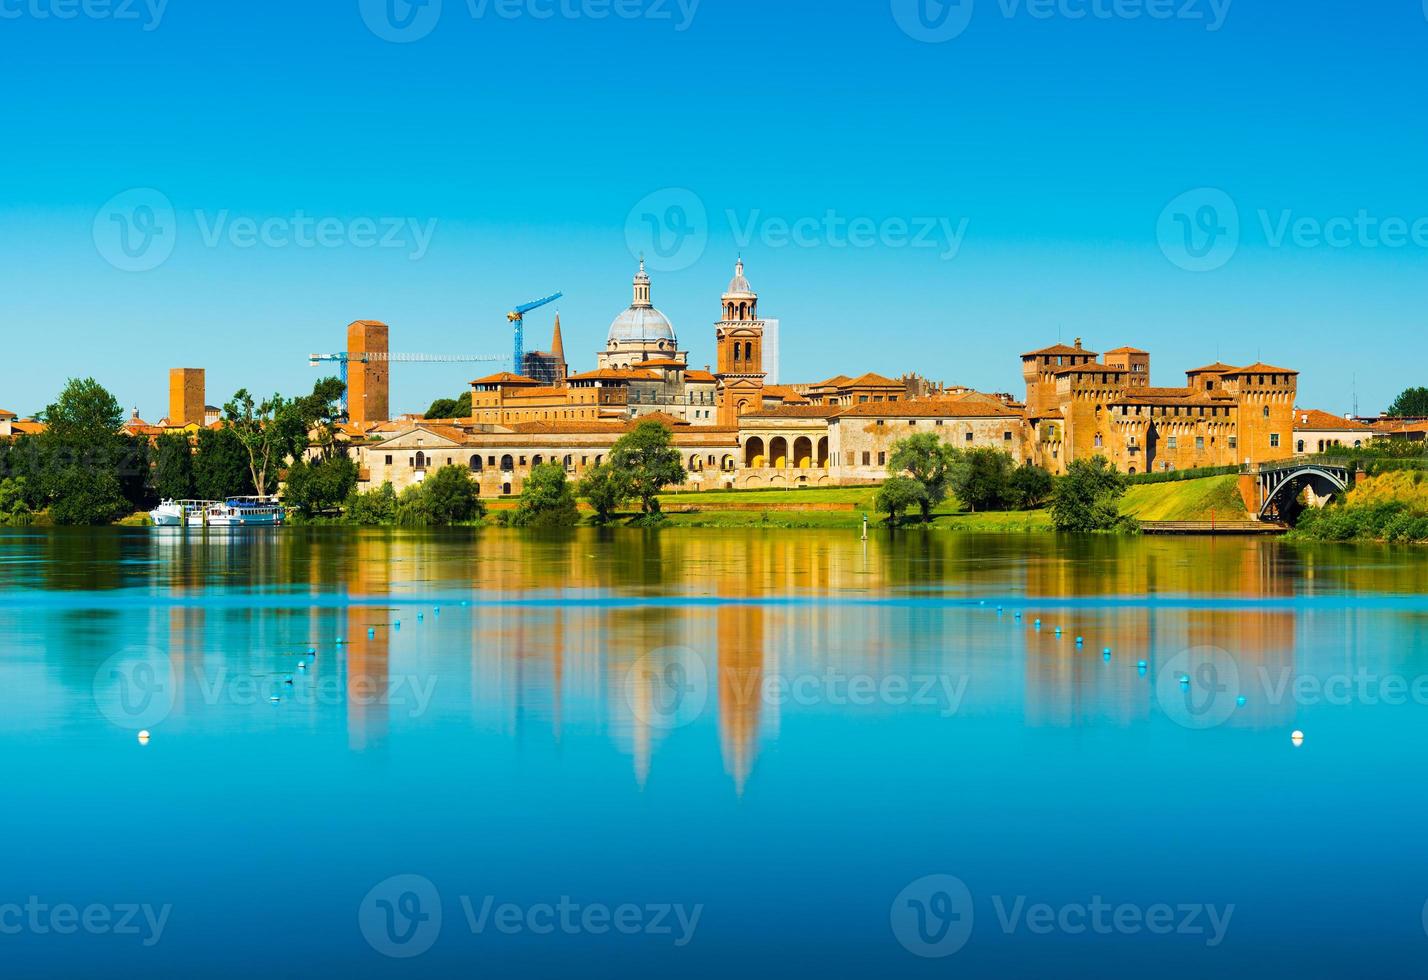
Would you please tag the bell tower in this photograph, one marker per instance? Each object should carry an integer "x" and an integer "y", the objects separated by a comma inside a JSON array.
[{"x": 739, "y": 340}]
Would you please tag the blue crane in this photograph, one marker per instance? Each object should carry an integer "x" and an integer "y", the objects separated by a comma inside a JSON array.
[
  {"x": 518, "y": 317},
  {"x": 343, "y": 358}
]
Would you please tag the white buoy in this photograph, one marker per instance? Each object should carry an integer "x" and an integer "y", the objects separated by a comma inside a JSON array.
[
  {"x": 144, "y": 737},
  {"x": 1297, "y": 737}
]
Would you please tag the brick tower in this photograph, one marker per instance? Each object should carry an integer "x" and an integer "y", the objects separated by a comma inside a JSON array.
[
  {"x": 739, "y": 340},
  {"x": 186, "y": 397},
  {"x": 367, "y": 381}
]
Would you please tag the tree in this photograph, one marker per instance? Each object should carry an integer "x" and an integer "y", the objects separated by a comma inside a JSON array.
[
  {"x": 982, "y": 480},
  {"x": 448, "y": 496},
  {"x": 265, "y": 430},
  {"x": 14, "y": 502},
  {"x": 1030, "y": 486},
  {"x": 91, "y": 496},
  {"x": 450, "y": 408},
  {"x": 220, "y": 467},
  {"x": 928, "y": 460},
  {"x": 605, "y": 489},
  {"x": 897, "y": 494},
  {"x": 547, "y": 499},
  {"x": 173, "y": 467},
  {"x": 318, "y": 413},
  {"x": 1411, "y": 403},
  {"x": 374, "y": 507},
  {"x": 320, "y": 486},
  {"x": 1086, "y": 498},
  {"x": 85, "y": 413},
  {"x": 649, "y": 461}
]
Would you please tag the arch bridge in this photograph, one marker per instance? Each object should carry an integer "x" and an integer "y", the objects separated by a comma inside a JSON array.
[{"x": 1271, "y": 490}]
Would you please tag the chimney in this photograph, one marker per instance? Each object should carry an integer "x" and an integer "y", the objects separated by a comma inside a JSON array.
[{"x": 1078, "y": 343}]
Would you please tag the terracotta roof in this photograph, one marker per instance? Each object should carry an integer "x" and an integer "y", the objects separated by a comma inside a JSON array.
[
  {"x": 1091, "y": 367},
  {"x": 1177, "y": 392},
  {"x": 668, "y": 420},
  {"x": 506, "y": 378},
  {"x": 1389, "y": 426},
  {"x": 797, "y": 412},
  {"x": 28, "y": 427},
  {"x": 1312, "y": 419},
  {"x": 1127, "y": 350},
  {"x": 928, "y": 408},
  {"x": 837, "y": 381},
  {"x": 1262, "y": 368},
  {"x": 614, "y": 428},
  {"x": 615, "y": 374},
  {"x": 785, "y": 394},
  {"x": 871, "y": 380},
  {"x": 699, "y": 376},
  {"x": 7, "y": 415},
  {"x": 1219, "y": 367},
  {"x": 1059, "y": 349}
]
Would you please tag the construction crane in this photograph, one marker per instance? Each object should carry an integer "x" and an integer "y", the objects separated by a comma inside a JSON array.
[
  {"x": 518, "y": 317},
  {"x": 343, "y": 358}
]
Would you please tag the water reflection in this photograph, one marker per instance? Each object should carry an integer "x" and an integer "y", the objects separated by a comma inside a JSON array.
[{"x": 608, "y": 632}]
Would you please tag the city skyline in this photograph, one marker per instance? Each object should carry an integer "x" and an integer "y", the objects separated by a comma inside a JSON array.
[{"x": 949, "y": 202}]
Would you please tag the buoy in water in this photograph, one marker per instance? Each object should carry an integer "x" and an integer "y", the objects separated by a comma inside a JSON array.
[
  {"x": 312, "y": 651},
  {"x": 1184, "y": 680},
  {"x": 144, "y": 737},
  {"x": 274, "y": 699},
  {"x": 1240, "y": 701},
  {"x": 302, "y": 665},
  {"x": 1080, "y": 641},
  {"x": 1142, "y": 664},
  {"x": 1297, "y": 737},
  {"x": 1106, "y": 650}
]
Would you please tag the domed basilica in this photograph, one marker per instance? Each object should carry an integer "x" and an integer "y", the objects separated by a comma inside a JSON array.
[{"x": 641, "y": 333}]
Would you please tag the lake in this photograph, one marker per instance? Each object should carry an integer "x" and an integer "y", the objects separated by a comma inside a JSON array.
[{"x": 696, "y": 753}]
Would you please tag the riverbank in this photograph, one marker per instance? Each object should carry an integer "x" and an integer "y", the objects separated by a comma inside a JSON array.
[{"x": 1390, "y": 507}]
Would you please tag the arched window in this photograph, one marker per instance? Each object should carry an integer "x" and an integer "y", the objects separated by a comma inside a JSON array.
[
  {"x": 748, "y": 350},
  {"x": 507, "y": 463},
  {"x": 419, "y": 460},
  {"x": 475, "y": 464}
]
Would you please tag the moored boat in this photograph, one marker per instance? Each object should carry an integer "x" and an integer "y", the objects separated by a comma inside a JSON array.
[{"x": 177, "y": 513}]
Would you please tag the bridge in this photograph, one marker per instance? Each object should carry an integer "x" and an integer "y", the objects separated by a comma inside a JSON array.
[{"x": 1271, "y": 490}]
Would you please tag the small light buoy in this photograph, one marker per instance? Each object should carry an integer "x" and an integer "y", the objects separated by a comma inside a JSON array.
[
  {"x": 1240, "y": 701},
  {"x": 1058, "y": 631},
  {"x": 1080, "y": 641},
  {"x": 397, "y": 625},
  {"x": 302, "y": 665},
  {"x": 421, "y": 617},
  {"x": 312, "y": 651},
  {"x": 1142, "y": 664},
  {"x": 436, "y": 611},
  {"x": 1106, "y": 650},
  {"x": 1106, "y": 655},
  {"x": 288, "y": 680},
  {"x": 1297, "y": 737},
  {"x": 1037, "y": 624},
  {"x": 465, "y": 602},
  {"x": 144, "y": 737},
  {"x": 371, "y": 633},
  {"x": 274, "y": 699},
  {"x": 340, "y": 641},
  {"x": 1184, "y": 680},
  {"x": 1017, "y": 614}
]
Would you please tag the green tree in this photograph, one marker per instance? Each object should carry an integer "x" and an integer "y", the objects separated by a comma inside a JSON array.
[
  {"x": 982, "y": 479},
  {"x": 1411, "y": 403},
  {"x": 374, "y": 507},
  {"x": 451, "y": 408},
  {"x": 266, "y": 430},
  {"x": 547, "y": 499},
  {"x": 220, "y": 466},
  {"x": 928, "y": 460},
  {"x": 1087, "y": 498},
  {"x": 318, "y": 412},
  {"x": 173, "y": 467},
  {"x": 91, "y": 496},
  {"x": 604, "y": 489},
  {"x": 14, "y": 501},
  {"x": 448, "y": 496},
  {"x": 320, "y": 486},
  {"x": 897, "y": 494},
  {"x": 1030, "y": 487},
  {"x": 647, "y": 457},
  {"x": 84, "y": 413}
]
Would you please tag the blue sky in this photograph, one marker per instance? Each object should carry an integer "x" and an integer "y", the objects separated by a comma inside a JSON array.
[{"x": 1049, "y": 169}]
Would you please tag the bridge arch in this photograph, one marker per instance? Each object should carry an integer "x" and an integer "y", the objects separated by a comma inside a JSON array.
[{"x": 1280, "y": 488}]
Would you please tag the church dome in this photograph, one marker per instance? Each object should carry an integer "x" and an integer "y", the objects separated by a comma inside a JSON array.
[
  {"x": 641, "y": 325},
  {"x": 739, "y": 286}
]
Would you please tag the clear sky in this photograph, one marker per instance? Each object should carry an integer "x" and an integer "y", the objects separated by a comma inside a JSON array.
[{"x": 912, "y": 186}]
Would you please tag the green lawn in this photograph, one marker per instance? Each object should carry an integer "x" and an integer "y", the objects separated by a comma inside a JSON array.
[
  {"x": 1215, "y": 497},
  {"x": 858, "y": 496}
]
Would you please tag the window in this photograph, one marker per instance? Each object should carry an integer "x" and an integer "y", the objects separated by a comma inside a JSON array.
[
  {"x": 867, "y": 459},
  {"x": 1098, "y": 440},
  {"x": 967, "y": 436},
  {"x": 1234, "y": 442},
  {"x": 1006, "y": 436},
  {"x": 882, "y": 459},
  {"x": 912, "y": 421},
  {"x": 1266, "y": 411},
  {"x": 1200, "y": 442},
  {"x": 389, "y": 460},
  {"x": 1274, "y": 440},
  {"x": 880, "y": 422}
]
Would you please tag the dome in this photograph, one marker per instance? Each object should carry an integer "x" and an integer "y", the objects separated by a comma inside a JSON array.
[
  {"x": 739, "y": 286},
  {"x": 641, "y": 325}
]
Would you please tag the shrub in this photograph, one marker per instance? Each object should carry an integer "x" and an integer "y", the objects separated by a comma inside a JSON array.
[
  {"x": 374, "y": 507},
  {"x": 1087, "y": 498},
  {"x": 547, "y": 499},
  {"x": 897, "y": 494}
]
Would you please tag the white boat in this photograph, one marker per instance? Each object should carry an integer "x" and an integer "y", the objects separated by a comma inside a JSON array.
[
  {"x": 177, "y": 513},
  {"x": 243, "y": 512},
  {"x": 233, "y": 512}
]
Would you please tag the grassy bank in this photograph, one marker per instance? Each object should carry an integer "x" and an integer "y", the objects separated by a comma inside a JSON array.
[
  {"x": 1390, "y": 507},
  {"x": 1211, "y": 498}
]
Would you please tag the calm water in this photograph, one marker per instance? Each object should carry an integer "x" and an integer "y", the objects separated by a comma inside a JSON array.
[{"x": 706, "y": 753}]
